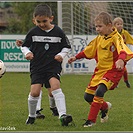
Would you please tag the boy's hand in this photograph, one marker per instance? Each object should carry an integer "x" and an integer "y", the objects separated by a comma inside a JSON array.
[
  {"x": 19, "y": 43},
  {"x": 29, "y": 56},
  {"x": 58, "y": 58},
  {"x": 72, "y": 59},
  {"x": 119, "y": 64}
]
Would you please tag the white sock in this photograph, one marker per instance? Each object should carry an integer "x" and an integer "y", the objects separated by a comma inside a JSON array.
[
  {"x": 39, "y": 101},
  {"x": 32, "y": 102},
  {"x": 51, "y": 102},
  {"x": 59, "y": 101}
]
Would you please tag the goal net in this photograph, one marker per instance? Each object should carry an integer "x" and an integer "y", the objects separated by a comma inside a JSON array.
[
  {"x": 78, "y": 23},
  {"x": 80, "y": 15}
]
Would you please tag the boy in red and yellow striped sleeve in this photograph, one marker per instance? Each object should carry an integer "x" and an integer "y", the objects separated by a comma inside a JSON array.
[
  {"x": 111, "y": 55},
  {"x": 128, "y": 39}
]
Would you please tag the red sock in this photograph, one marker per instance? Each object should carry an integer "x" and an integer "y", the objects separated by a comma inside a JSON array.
[
  {"x": 104, "y": 106},
  {"x": 125, "y": 74},
  {"x": 94, "y": 109}
]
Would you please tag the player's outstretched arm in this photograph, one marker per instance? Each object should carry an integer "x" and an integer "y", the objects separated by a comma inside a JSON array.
[
  {"x": 72, "y": 59},
  {"x": 19, "y": 43}
]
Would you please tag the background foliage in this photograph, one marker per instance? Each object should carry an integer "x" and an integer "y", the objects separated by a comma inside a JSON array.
[{"x": 22, "y": 21}]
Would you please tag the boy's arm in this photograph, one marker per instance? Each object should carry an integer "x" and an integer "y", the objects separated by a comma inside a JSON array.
[
  {"x": 28, "y": 54},
  {"x": 60, "y": 56},
  {"x": 25, "y": 50},
  {"x": 64, "y": 52},
  {"x": 119, "y": 64},
  {"x": 78, "y": 56},
  {"x": 121, "y": 60},
  {"x": 19, "y": 43}
]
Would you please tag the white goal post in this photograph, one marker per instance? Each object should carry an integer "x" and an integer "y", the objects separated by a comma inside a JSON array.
[{"x": 76, "y": 20}]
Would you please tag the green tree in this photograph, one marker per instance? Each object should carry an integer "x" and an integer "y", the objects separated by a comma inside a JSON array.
[{"x": 21, "y": 22}]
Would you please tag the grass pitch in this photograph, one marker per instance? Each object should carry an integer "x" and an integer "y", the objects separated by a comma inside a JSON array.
[{"x": 14, "y": 90}]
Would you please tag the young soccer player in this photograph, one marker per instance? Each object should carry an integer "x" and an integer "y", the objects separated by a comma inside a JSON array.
[
  {"x": 128, "y": 39},
  {"x": 111, "y": 55},
  {"x": 48, "y": 46},
  {"x": 38, "y": 108},
  {"x": 53, "y": 107}
]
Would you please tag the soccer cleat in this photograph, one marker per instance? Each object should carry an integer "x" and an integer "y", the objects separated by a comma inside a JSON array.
[
  {"x": 117, "y": 86},
  {"x": 88, "y": 123},
  {"x": 39, "y": 115},
  {"x": 104, "y": 113},
  {"x": 54, "y": 111},
  {"x": 65, "y": 119},
  {"x": 30, "y": 120},
  {"x": 127, "y": 84}
]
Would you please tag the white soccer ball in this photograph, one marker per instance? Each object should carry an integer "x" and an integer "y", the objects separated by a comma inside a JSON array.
[{"x": 2, "y": 68}]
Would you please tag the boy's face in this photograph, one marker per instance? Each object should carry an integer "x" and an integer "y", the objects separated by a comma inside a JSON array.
[
  {"x": 119, "y": 26},
  {"x": 103, "y": 29},
  {"x": 43, "y": 22}
]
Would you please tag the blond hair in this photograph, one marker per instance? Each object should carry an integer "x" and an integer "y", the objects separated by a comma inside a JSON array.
[
  {"x": 117, "y": 19},
  {"x": 104, "y": 17}
]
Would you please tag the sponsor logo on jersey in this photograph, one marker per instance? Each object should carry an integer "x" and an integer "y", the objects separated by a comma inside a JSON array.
[{"x": 46, "y": 46}]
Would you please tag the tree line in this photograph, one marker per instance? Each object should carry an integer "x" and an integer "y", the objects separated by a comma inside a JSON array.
[{"x": 21, "y": 20}]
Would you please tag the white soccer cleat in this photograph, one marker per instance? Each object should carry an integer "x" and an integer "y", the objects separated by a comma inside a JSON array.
[{"x": 104, "y": 113}]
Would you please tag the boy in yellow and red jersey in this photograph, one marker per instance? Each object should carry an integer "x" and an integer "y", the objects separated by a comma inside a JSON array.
[
  {"x": 111, "y": 55},
  {"x": 128, "y": 39}
]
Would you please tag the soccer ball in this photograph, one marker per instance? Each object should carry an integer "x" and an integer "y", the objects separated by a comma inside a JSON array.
[{"x": 2, "y": 68}]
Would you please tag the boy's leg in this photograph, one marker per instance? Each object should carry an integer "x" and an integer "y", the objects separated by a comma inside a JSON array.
[
  {"x": 32, "y": 102},
  {"x": 125, "y": 76},
  {"x": 106, "y": 106},
  {"x": 38, "y": 108},
  {"x": 52, "y": 105},
  {"x": 61, "y": 107},
  {"x": 88, "y": 97},
  {"x": 96, "y": 105},
  {"x": 60, "y": 101}
]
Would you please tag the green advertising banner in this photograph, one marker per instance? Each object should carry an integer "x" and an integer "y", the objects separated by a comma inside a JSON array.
[
  {"x": 9, "y": 52},
  {"x": 12, "y": 56},
  {"x": 15, "y": 61}
]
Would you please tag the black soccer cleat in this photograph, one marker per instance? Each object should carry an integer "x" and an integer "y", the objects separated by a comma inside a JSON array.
[
  {"x": 65, "y": 119},
  {"x": 39, "y": 115},
  {"x": 127, "y": 84},
  {"x": 88, "y": 123},
  {"x": 54, "y": 111},
  {"x": 30, "y": 120}
]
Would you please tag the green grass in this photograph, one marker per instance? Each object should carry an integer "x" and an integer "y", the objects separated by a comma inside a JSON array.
[{"x": 14, "y": 89}]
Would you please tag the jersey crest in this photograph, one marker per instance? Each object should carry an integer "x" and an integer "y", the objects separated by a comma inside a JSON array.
[{"x": 46, "y": 46}]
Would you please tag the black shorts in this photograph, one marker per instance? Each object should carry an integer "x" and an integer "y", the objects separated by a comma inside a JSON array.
[{"x": 43, "y": 78}]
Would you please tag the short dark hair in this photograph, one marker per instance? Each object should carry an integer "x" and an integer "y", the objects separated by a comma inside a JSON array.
[{"x": 42, "y": 10}]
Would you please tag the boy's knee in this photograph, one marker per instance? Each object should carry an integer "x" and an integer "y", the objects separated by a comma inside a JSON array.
[
  {"x": 32, "y": 98},
  {"x": 101, "y": 90},
  {"x": 88, "y": 97},
  {"x": 34, "y": 94}
]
